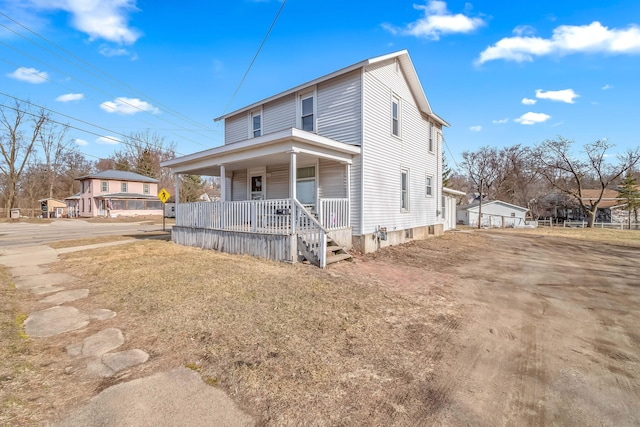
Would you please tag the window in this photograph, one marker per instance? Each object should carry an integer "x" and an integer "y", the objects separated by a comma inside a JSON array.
[
  {"x": 404, "y": 198},
  {"x": 431, "y": 138},
  {"x": 306, "y": 185},
  {"x": 123, "y": 187},
  {"x": 306, "y": 116},
  {"x": 429, "y": 191},
  {"x": 256, "y": 124},
  {"x": 395, "y": 116},
  {"x": 105, "y": 186},
  {"x": 146, "y": 189},
  {"x": 444, "y": 207}
]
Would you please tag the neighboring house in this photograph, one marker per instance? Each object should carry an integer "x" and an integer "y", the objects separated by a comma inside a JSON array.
[
  {"x": 610, "y": 208},
  {"x": 353, "y": 157},
  {"x": 449, "y": 207},
  {"x": 113, "y": 193},
  {"x": 52, "y": 208},
  {"x": 495, "y": 214}
]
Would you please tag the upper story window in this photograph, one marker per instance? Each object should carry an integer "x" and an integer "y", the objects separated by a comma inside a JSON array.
[
  {"x": 256, "y": 124},
  {"x": 395, "y": 116},
  {"x": 429, "y": 185},
  {"x": 124, "y": 187},
  {"x": 104, "y": 186},
  {"x": 307, "y": 113},
  {"x": 146, "y": 189}
]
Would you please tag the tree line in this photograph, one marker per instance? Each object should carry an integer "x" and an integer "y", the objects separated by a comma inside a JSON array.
[
  {"x": 38, "y": 160},
  {"x": 554, "y": 173}
]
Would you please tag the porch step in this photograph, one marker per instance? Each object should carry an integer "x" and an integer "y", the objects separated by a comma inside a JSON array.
[
  {"x": 336, "y": 253},
  {"x": 339, "y": 257}
]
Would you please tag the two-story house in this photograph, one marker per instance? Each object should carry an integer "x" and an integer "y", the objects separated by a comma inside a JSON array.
[
  {"x": 113, "y": 193},
  {"x": 353, "y": 158}
]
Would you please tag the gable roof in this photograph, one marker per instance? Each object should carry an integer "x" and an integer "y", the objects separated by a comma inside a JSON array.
[
  {"x": 119, "y": 176},
  {"x": 405, "y": 63}
]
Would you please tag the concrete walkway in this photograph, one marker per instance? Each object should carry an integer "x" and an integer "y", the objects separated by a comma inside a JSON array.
[{"x": 177, "y": 397}]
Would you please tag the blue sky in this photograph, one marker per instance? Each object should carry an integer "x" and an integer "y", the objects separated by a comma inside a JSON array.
[{"x": 500, "y": 73}]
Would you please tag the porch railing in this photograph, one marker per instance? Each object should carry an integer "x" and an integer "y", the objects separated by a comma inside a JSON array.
[
  {"x": 251, "y": 216},
  {"x": 309, "y": 229},
  {"x": 334, "y": 213}
]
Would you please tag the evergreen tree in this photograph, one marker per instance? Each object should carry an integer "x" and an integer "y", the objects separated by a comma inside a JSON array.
[
  {"x": 446, "y": 171},
  {"x": 631, "y": 195}
]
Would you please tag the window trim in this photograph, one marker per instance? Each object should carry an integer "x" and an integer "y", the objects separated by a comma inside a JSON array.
[
  {"x": 428, "y": 182},
  {"x": 397, "y": 119},
  {"x": 104, "y": 187},
  {"x": 124, "y": 187},
  {"x": 251, "y": 130},
  {"x": 146, "y": 188},
  {"x": 301, "y": 97},
  {"x": 431, "y": 144},
  {"x": 405, "y": 207}
]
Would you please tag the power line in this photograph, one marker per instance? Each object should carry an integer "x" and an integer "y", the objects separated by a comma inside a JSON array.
[
  {"x": 114, "y": 79},
  {"x": 264, "y": 40},
  {"x": 82, "y": 121}
]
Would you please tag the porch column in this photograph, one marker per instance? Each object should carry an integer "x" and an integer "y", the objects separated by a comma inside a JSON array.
[
  {"x": 348, "y": 165},
  {"x": 176, "y": 178},
  {"x": 223, "y": 183},
  {"x": 293, "y": 170}
]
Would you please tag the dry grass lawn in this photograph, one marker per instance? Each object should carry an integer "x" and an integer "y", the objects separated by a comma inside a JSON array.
[
  {"x": 610, "y": 236},
  {"x": 293, "y": 344}
]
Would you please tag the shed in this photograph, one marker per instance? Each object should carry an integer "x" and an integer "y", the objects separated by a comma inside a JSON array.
[{"x": 495, "y": 214}]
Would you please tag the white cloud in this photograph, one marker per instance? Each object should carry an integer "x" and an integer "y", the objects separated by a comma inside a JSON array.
[
  {"x": 100, "y": 19},
  {"x": 565, "y": 95},
  {"x": 528, "y": 101},
  {"x": 108, "y": 140},
  {"x": 566, "y": 39},
  {"x": 524, "y": 30},
  {"x": 110, "y": 51},
  {"x": 81, "y": 142},
  {"x": 128, "y": 106},
  {"x": 607, "y": 87},
  {"x": 29, "y": 75},
  {"x": 532, "y": 118},
  {"x": 500, "y": 122},
  {"x": 437, "y": 21},
  {"x": 475, "y": 128},
  {"x": 68, "y": 97}
]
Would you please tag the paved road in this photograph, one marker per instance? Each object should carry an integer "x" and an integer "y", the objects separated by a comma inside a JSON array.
[{"x": 29, "y": 234}]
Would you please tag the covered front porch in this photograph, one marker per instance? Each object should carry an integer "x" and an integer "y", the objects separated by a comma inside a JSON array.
[{"x": 284, "y": 196}]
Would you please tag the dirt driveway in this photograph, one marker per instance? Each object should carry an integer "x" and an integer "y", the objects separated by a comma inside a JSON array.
[{"x": 548, "y": 333}]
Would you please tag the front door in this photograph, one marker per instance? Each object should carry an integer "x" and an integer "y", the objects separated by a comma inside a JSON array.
[{"x": 256, "y": 184}]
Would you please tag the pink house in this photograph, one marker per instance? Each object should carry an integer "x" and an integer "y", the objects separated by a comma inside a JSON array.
[{"x": 113, "y": 193}]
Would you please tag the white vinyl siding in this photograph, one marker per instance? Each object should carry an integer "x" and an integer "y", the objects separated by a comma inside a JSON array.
[
  {"x": 278, "y": 182},
  {"x": 239, "y": 186},
  {"x": 235, "y": 128},
  {"x": 279, "y": 115},
  {"x": 384, "y": 155},
  {"x": 339, "y": 103},
  {"x": 332, "y": 180}
]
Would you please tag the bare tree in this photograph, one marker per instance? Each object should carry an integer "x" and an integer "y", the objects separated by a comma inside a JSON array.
[
  {"x": 17, "y": 141},
  {"x": 142, "y": 153},
  {"x": 54, "y": 147},
  {"x": 482, "y": 168},
  {"x": 568, "y": 172}
]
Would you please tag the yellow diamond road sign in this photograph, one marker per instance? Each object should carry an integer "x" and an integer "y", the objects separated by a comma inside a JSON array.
[{"x": 164, "y": 195}]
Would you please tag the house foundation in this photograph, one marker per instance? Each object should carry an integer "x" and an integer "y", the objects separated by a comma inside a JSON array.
[{"x": 373, "y": 241}]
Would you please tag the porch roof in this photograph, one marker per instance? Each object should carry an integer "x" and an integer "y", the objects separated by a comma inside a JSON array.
[{"x": 274, "y": 148}]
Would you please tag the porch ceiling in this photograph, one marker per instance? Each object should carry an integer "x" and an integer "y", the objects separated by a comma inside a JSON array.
[{"x": 272, "y": 149}]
